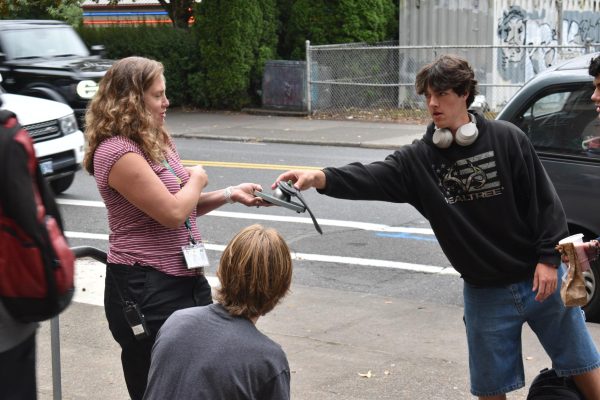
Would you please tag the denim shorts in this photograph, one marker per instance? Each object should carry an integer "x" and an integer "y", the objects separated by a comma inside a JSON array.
[{"x": 494, "y": 318}]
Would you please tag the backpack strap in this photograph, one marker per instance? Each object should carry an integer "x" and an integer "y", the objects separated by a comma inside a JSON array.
[
  {"x": 5, "y": 115},
  {"x": 9, "y": 126},
  {"x": 22, "y": 137}
]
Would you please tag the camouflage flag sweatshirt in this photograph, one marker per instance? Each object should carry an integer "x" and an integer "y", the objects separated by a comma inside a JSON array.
[{"x": 491, "y": 204}]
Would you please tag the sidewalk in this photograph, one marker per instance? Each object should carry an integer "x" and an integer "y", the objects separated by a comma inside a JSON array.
[
  {"x": 412, "y": 350},
  {"x": 333, "y": 338},
  {"x": 300, "y": 130}
]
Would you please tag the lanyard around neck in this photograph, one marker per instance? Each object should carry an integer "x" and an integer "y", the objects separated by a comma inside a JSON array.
[{"x": 188, "y": 224}]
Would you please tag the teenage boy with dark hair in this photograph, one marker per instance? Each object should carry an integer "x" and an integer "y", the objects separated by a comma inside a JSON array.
[
  {"x": 497, "y": 218},
  {"x": 216, "y": 351}
]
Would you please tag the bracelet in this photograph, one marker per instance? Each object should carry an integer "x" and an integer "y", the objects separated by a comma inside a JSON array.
[{"x": 227, "y": 195}]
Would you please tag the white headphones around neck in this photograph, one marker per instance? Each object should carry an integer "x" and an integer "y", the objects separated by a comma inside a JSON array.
[{"x": 465, "y": 135}]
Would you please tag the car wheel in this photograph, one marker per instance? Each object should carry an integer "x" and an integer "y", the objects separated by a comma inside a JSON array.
[
  {"x": 592, "y": 277},
  {"x": 61, "y": 184}
]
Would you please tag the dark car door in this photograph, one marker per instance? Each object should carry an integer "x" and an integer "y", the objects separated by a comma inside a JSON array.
[{"x": 562, "y": 123}]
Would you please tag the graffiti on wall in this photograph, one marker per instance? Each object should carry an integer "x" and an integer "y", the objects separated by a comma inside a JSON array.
[{"x": 518, "y": 28}]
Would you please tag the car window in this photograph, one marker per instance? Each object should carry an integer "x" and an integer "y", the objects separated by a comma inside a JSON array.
[
  {"x": 550, "y": 104},
  {"x": 44, "y": 42},
  {"x": 563, "y": 120}
]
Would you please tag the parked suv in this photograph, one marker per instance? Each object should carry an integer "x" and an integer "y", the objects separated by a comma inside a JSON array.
[
  {"x": 57, "y": 140},
  {"x": 554, "y": 109},
  {"x": 48, "y": 59}
]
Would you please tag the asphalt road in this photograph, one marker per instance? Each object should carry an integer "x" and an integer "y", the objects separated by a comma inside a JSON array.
[
  {"x": 366, "y": 246},
  {"x": 350, "y": 330}
]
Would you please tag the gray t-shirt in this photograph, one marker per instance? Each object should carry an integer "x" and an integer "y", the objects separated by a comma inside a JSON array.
[{"x": 205, "y": 353}]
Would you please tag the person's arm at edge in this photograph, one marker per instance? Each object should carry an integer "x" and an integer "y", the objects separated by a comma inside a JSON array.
[{"x": 303, "y": 179}]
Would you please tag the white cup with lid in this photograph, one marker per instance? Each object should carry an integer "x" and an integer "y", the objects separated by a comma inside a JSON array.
[{"x": 577, "y": 240}]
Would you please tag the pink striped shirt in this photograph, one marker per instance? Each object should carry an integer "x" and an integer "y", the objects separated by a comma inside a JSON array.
[{"x": 136, "y": 238}]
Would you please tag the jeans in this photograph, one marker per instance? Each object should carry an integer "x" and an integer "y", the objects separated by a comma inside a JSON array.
[{"x": 494, "y": 318}]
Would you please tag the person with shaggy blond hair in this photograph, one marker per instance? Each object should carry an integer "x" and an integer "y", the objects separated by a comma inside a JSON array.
[{"x": 216, "y": 352}]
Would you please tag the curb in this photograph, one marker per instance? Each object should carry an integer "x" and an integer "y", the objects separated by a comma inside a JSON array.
[{"x": 287, "y": 141}]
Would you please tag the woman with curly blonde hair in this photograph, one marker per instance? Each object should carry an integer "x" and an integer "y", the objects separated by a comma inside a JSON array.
[
  {"x": 156, "y": 256},
  {"x": 216, "y": 352}
]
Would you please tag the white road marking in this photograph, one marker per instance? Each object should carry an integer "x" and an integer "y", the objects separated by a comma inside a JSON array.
[
  {"x": 430, "y": 269},
  {"x": 263, "y": 217},
  {"x": 90, "y": 273}
]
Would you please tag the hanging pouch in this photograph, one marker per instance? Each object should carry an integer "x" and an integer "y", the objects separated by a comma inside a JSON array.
[{"x": 572, "y": 289}]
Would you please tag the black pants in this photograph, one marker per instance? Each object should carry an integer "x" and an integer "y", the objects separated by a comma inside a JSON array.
[
  {"x": 17, "y": 372},
  {"x": 158, "y": 295}
]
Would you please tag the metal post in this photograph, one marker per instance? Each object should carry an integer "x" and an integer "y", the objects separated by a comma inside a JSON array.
[
  {"x": 308, "y": 86},
  {"x": 559, "y": 21},
  {"x": 55, "y": 346},
  {"x": 79, "y": 252}
]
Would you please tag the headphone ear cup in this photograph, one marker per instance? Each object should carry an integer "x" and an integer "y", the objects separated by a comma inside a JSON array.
[
  {"x": 442, "y": 138},
  {"x": 466, "y": 134},
  {"x": 281, "y": 195}
]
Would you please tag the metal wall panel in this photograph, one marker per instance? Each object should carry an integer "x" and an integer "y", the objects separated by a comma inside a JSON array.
[
  {"x": 476, "y": 22},
  {"x": 508, "y": 25},
  {"x": 446, "y": 22}
]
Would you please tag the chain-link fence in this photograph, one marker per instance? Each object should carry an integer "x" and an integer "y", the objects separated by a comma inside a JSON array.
[{"x": 377, "y": 81}]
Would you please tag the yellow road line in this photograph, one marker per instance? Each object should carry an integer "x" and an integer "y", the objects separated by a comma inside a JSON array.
[{"x": 222, "y": 164}]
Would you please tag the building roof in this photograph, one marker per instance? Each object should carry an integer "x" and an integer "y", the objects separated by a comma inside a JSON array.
[
  {"x": 126, "y": 3},
  {"x": 105, "y": 3}
]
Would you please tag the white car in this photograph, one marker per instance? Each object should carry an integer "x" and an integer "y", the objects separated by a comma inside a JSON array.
[{"x": 58, "y": 141}]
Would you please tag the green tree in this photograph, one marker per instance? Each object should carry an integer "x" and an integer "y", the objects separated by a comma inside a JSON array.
[
  {"x": 236, "y": 37},
  {"x": 267, "y": 45},
  {"x": 177, "y": 49},
  {"x": 285, "y": 9},
  {"x": 342, "y": 21},
  {"x": 65, "y": 10},
  {"x": 68, "y": 11}
]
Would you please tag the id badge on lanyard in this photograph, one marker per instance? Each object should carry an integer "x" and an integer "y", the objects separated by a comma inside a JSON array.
[
  {"x": 195, "y": 256},
  {"x": 194, "y": 253}
]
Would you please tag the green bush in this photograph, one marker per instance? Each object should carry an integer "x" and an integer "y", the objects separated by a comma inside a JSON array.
[
  {"x": 343, "y": 21},
  {"x": 175, "y": 48},
  {"x": 267, "y": 47},
  {"x": 219, "y": 63},
  {"x": 236, "y": 37}
]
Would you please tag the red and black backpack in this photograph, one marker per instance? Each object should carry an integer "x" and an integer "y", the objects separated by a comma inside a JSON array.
[{"x": 36, "y": 263}]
